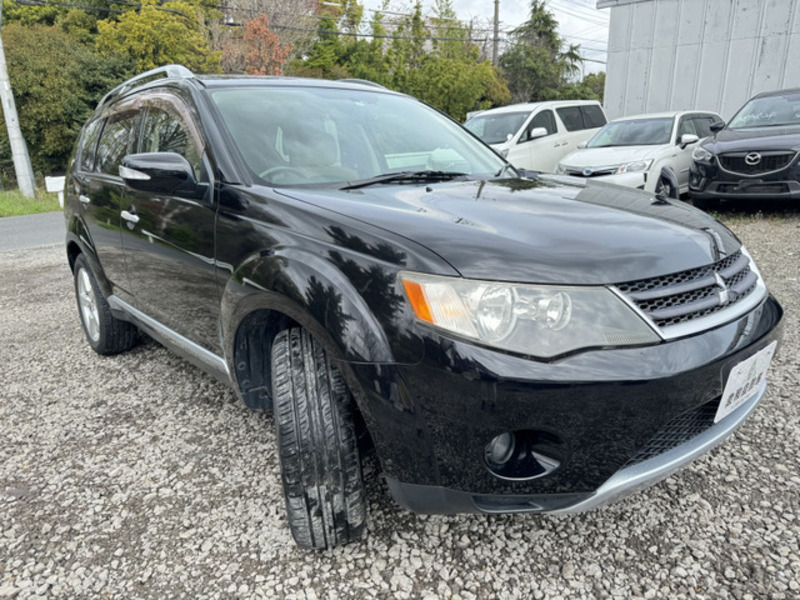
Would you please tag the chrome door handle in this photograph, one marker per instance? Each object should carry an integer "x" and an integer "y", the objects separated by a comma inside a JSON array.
[
  {"x": 130, "y": 217},
  {"x": 85, "y": 200}
]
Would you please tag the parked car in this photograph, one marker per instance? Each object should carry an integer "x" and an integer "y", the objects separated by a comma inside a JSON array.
[
  {"x": 536, "y": 136},
  {"x": 658, "y": 147},
  {"x": 753, "y": 157},
  {"x": 503, "y": 344}
]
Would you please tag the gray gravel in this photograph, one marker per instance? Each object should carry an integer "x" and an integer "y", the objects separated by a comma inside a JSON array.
[{"x": 138, "y": 476}]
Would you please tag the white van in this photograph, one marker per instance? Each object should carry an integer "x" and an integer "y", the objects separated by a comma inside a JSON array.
[{"x": 538, "y": 135}]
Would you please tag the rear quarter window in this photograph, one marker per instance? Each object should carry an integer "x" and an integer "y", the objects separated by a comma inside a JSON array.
[{"x": 593, "y": 116}]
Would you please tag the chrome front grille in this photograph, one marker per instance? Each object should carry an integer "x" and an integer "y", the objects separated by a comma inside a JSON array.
[
  {"x": 687, "y": 296},
  {"x": 736, "y": 162},
  {"x": 593, "y": 172}
]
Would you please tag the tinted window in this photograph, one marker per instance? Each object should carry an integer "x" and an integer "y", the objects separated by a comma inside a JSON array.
[
  {"x": 164, "y": 131},
  {"x": 593, "y": 116},
  {"x": 115, "y": 143},
  {"x": 544, "y": 119},
  {"x": 571, "y": 117},
  {"x": 89, "y": 144},
  {"x": 703, "y": 126}
]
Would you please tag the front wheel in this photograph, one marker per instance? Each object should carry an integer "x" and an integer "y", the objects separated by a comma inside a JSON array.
[
  {"x": 317, "y": 444},
  {"x": 665, "y": 189},
  {"x": 105, "y": 333}
]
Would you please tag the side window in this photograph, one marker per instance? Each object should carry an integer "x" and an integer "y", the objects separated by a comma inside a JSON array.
[
  {"x": 571, "y": 117},
  {"x": 593, "y": 116},
  {"x": 703, "y": 126},
  {"x": 544, "y": 119},
  {"x": 164, "y": 130},
  {"x": 115, "y": 142},
  {"x": 89, "y": 144},
  {"x": 686, "y": 126}
]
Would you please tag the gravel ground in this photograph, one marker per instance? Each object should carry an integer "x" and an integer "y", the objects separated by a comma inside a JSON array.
[{"x": 138, "y": 476}]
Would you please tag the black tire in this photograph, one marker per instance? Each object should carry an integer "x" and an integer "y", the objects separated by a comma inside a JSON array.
[
  {"x": 109, "y": 335},
  {"x": 665, "y": 188},
  {"x": 317, "y": 444}
]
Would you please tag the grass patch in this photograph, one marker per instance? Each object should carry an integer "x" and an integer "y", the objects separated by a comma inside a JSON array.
[{"x": 13, "y": 204}]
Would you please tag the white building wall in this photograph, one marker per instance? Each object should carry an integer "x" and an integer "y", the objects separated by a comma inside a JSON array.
[{"x": 699, "y": 54}]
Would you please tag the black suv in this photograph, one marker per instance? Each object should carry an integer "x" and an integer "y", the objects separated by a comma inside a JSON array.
[
  {"x": 363, "y": 266},
  {"x": 753, "y": 157}
]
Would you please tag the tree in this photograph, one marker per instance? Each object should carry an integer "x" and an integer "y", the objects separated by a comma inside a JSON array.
[
  {"x": 57, "y": 83},
  {"x": 157, "y": 35},
  {"x": 257, "y": 52},
  {"x": 536, "y": 65}
]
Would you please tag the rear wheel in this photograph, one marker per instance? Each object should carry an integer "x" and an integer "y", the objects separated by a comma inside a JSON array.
[
  {"x": 105, "y": 333},
  {"x": 317, "y": 444}
]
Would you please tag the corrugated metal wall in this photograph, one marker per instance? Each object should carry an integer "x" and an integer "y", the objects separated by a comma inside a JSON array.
[{"x": 699, "y": 54}]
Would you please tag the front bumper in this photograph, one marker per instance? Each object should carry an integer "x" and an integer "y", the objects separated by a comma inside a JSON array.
[
  {"x": 709, "y": 182},
  {"x": 626, "y": 481},
  {"x": 431, "y": 422}
]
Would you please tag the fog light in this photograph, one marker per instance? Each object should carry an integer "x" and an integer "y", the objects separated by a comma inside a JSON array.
[{"x": 500, "y": 449}]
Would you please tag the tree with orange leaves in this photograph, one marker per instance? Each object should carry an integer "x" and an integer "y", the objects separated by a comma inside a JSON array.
[{"x": 263, "y": 52}]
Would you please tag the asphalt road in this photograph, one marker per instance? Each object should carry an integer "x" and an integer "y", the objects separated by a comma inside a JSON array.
[
  {"x": 139, "y": 477},
  {"x": 31, "y": 230}
]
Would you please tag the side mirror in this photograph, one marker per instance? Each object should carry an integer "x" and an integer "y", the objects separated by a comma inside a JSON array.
[
  {"x": 717, "y": 126},
  {"x": 538, "y": 132},
  {"x": 582, "y": 145},
  {"x": 687, "y": 139},
  {"x": 165, "y": 173}
]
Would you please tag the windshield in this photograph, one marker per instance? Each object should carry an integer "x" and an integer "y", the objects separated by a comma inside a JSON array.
[
  {"x": 637, "y": 132},
  {"x": 772, "y": 111},
  {"x": 322, "y": 136},
  {"x": 495, "y": 128}
]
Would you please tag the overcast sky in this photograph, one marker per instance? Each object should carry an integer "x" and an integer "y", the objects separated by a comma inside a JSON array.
[{"x": 580, "y": 22}]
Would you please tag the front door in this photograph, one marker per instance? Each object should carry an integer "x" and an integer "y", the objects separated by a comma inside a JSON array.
[{"x": 169, "y": 240}]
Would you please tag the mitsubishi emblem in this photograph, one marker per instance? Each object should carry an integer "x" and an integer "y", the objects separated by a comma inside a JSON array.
[{"x": 724, "y": 292}]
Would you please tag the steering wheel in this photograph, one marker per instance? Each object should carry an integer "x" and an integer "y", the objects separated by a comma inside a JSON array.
[{"x": 281, "y": 169}]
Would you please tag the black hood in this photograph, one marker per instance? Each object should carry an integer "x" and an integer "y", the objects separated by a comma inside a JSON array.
[
  {"x": 754, "y": 139},
  {"x": 539, "y": 231}
]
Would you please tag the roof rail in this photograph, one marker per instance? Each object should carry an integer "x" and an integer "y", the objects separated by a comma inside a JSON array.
[
  {"x": 362, "y": 82},
  {"x": 165, "y": 72}
]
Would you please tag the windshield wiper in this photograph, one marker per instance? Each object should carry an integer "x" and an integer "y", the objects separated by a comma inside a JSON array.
[{"x": 400, "y": 176}]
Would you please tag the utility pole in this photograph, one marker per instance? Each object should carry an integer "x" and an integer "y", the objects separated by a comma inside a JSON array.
[
  {"x": 19, "y": 151},
  {"x": 496, "y": 31}
]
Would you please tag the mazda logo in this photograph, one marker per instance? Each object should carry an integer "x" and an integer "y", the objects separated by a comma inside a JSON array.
[{"x": 752, "y": 159}]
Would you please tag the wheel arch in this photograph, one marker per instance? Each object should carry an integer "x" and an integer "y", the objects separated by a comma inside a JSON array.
[
  {"x": 668, "y": 173},
  {"x": 294, "y": 288}
]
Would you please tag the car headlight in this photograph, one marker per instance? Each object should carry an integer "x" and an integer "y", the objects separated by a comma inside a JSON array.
[
  {"x": 635, "y": 167},
  {"x": 535, "y": 320},
  {"x": 702, "y": 155},
  {"x": 560, "y": 169}
]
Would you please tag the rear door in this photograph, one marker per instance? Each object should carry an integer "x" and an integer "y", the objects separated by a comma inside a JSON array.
[
  {"x": 101, "y": 190},
  {"x": 581, "y": 123},
  {"x": 169, "y": 240}
]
